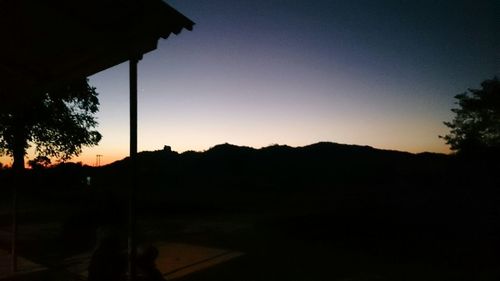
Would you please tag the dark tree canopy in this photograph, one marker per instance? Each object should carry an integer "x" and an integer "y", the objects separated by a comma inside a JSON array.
[
  {"x": 56, "y": 123},
  {"x": 476, "y": 126},
  {"x": 39, "y": 162}
]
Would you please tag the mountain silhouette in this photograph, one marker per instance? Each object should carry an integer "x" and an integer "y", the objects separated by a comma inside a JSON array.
[
  {"x": 323, "y": 162},
  {"x": 403, "y": 205}
]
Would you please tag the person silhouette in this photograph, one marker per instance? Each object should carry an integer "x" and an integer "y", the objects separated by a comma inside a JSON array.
[
  {"x": 146, "y": 266},
  {"x": 108, "y": 261}
]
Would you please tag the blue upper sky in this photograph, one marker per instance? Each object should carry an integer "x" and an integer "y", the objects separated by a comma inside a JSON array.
[
  {"x": 255, "y": 73},
  {"x": 380, "y": 73}
]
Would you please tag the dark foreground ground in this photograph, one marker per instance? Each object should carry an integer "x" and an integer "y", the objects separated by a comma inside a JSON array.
[{"x": 394, "y": 232}]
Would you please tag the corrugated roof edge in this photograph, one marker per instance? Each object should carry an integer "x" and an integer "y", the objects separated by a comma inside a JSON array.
[{"x": 185, "y": 24}]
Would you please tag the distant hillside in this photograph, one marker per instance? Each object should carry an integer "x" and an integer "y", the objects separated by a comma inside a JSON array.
[
  {"x": 322, "y": 163},
  {"x": 338, "y": 179}
]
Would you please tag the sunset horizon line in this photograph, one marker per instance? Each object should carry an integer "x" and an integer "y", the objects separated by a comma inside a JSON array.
[{"x": 90, "y": 160}]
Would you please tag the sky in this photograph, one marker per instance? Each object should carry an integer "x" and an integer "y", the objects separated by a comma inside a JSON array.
[{"x": 256, "y": 73}]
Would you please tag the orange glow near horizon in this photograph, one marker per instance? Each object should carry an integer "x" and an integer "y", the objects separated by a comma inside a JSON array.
[
  {"x": 89, "y": 155},
  {"x": 300, "y": 74}
]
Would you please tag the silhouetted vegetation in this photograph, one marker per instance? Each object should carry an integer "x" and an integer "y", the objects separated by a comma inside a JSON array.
[
  {"x": 57, "y": 123},
  {"x": 475, "y": 130},
  {"x": 39, "y": 162},
  {"x": 279, "y": 204}
]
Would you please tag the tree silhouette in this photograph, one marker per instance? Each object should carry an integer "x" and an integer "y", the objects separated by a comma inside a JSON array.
[
  {"x": 57, "y": 123},
  {"x": 476, "y": 126},
  {"x": 40, "y": 162}
]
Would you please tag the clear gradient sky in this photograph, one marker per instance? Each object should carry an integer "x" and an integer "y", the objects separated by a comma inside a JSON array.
[{"x": 255, "y": 73}]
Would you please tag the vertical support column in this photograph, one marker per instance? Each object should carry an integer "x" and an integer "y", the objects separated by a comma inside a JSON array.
[
  {"x": 133, "y": 168},
  {"x": 13, "y": 245},
  {"x": 17, "y": 183}
]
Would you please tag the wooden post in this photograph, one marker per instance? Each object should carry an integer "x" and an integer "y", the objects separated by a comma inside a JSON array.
[
  {"x": 17, "y": 182},
  {"x": 13, "y": 245},
  {"x": 133, "y": 168}
]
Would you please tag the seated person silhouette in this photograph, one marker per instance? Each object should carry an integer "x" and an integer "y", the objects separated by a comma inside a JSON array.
[
  {"x": 108, "y": 261},
  {"x": 146, "y": 267}
]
